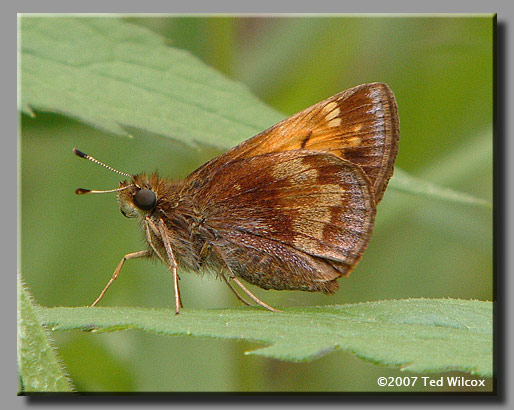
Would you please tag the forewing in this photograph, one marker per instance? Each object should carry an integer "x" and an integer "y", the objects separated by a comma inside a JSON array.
[
  {"x": 313, "y": 202},
  {"x": 360, "y": 125}
]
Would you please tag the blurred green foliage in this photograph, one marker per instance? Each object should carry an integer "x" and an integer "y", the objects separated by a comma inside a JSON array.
[{"x": 441, "y": 70}]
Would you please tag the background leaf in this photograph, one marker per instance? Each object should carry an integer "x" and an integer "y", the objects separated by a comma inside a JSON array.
[
  {"x": 38, "y": 367},
  {"x": 115, "y": 75},
  {"x": 424, "y": 336},
  {"x": 403, "y": 182}
]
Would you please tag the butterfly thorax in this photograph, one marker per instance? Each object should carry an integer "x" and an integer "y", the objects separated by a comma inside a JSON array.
[{"x": 171, "y": 217}]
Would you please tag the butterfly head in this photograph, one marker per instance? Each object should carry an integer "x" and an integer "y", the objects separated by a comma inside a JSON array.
[{"x": 137, "y": 196}]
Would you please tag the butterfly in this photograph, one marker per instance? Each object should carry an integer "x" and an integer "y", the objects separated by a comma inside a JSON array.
[{"x": 291, "y": 208}]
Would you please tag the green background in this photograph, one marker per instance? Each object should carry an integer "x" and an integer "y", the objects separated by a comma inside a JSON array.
[{"x": 441, "y": 70}]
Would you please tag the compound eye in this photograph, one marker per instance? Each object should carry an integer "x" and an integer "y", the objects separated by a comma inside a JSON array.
[{"x": 145, "y": 199}]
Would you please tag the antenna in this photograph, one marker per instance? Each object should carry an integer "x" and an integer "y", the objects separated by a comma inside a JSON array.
[
  {"x": 83, "y": 191},
  {"x": 90, "y": 158}
]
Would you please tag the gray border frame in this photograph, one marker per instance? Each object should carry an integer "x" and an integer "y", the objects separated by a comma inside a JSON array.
[{"x": 504, "y": 168}]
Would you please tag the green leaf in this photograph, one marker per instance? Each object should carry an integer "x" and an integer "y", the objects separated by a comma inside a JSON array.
[
  {"x": 115, "y": 75},
  {"x": 118, "y": 76},
  {"x": 420, "y": 335},
  {"x": 404, "y": 182},
  {"x": 38, "y": 367}
]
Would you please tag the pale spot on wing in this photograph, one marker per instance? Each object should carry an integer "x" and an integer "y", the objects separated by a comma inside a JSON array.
[
  {"x": 281, "y": 170},
  {"x": 333, "y": 114},
  {"x": 357, "y": 128},
  {"x": 329, "y": 107},
  {"x": 311, "y": 221},
  {"x": 354, "y": 141},
  {"x": 306, "y": 177},
  {"x": 302, "y": 242},
  {"x": 336, "y": 122}
]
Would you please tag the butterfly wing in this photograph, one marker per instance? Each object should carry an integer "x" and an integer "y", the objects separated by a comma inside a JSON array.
[
  {"x": 360, "y": 125},
  {"x": 301, "y": 214}
]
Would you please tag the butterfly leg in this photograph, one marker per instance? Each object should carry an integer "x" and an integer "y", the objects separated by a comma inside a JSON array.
[
  {"x": 204, "y": 252},
  {"x": 252, "y": 296},
  {"x": 235, "y": 292},
  {"x": 134, "y": 255},
  {"x": 233, "y": 277},
  {"x": 172, "y": 263}
]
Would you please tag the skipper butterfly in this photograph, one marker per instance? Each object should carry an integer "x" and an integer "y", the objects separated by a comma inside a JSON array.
[{"x": 291, "y": 208}]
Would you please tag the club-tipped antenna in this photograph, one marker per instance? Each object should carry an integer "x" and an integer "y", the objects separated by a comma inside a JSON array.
[
  {"x": 90, "y": 158},
  {"x": 83, "y": 191}
]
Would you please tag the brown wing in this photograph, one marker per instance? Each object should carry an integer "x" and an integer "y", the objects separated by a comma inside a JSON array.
[
  {"x": 360, "y": 125},
  {"x": 308, "y": 211}
]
